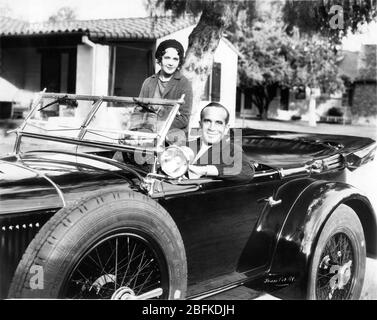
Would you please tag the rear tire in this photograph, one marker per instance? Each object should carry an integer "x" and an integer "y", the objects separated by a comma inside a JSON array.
[
  {"x": 338, "y": 266},
  {"x": 118, "y": 244}
]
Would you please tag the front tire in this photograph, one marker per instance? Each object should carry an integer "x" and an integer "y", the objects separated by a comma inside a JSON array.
[
  {"x": 119, "y": 244},
  {"x": 338, "y": 266}
]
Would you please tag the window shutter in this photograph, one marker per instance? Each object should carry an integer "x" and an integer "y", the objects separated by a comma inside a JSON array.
[
  {"x": 205, "y": 95},
  {"x": 216, "y": 82}
]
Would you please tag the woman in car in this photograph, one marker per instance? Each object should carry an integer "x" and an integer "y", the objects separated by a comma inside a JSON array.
[{"x": 169, "y": 83}]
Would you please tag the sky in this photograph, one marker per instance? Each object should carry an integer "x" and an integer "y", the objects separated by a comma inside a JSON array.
[
  {"x": 367, "y": 36},
  {"x": 41, "y": 10}
]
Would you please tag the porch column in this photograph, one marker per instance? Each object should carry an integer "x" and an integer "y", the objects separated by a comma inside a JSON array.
[{"x": 92, "y": 73}]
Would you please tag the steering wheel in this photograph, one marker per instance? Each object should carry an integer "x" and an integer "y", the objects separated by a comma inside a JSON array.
[{"x": 144, "y": 106}]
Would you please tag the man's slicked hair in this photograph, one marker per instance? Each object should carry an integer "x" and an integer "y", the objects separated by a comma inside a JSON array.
[{"x": 216, "y": 105}]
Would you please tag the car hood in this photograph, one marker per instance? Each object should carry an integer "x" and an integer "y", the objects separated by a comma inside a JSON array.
[{"x": 45, "y": 180}]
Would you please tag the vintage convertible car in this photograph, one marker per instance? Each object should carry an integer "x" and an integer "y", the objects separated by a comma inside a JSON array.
[{"x": 94, "y": 203}]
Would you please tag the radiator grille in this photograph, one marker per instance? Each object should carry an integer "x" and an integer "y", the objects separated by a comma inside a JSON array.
[{"x": 16, "y": 232}]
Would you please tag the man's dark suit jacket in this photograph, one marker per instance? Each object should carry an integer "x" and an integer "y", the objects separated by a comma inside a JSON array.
[{"x": 228, "y": 157}]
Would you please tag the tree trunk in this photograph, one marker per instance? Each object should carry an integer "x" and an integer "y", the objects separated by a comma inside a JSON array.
[
  {"x": 203, "y": 42},
  {"x": 262, "y": 97},
  {"x": 265, "y": 111},
  {"x": 259, "y": 98},
  {"x": 259, "y": 103}
]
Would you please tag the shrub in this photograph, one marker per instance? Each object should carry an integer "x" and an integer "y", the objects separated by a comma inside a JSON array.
[{"x": 335, "y": 112}]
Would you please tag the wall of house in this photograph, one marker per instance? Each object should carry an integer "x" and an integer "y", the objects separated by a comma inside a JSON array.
[
  {"x": 92, "y": 73},
  {"x": 365, "y": 100},
  {"x": 92, "y": 76},
  {"x": 84, "y": 70},
  {"x": 228, "y": 58},
  {"x": 101, "y": 76}
]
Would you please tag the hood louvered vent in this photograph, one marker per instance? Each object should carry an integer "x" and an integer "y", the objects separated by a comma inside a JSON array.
[{"x": 16, "y": 233}]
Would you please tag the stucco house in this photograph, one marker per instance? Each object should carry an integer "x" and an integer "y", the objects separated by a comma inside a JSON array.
[
  {"x": 102, "y": 57},
  {"x": 357, "y": 104},
  {"x": 360, "y": 70}
]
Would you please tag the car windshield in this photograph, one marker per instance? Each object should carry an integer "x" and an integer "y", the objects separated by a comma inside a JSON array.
[{"x": 122, "y": 122}]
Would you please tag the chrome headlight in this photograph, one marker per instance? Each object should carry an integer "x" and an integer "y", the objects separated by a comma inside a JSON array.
[{"x": 175, "y": 160}]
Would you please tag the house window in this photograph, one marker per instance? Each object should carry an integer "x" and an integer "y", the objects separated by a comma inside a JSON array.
[
  {"x": 58, "y": 70},
  {"x": 213, "y": 84},
  {"x": 133, "y": 64}
]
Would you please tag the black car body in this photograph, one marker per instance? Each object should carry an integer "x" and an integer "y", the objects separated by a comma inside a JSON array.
[{"x": 270, "y": 233}]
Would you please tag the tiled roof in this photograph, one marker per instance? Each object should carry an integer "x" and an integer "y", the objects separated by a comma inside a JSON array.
[
  {"x": 12, "y": 25},
  {"x": 127, "y": 28}
]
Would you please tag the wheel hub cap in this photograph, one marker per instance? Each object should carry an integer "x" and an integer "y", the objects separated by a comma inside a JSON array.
[
  {"x": 100, "y": 282},
  {"x": 342, "y": 275},
  {"x": 121, "y": 266},
  {"x": 125, "y": 293}
]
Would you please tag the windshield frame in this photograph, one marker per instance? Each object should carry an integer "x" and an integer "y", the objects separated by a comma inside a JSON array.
[{"x": 83, "y": 129}]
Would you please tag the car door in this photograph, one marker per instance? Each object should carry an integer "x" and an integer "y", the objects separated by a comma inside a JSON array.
[{"x": 216, "y": 222}]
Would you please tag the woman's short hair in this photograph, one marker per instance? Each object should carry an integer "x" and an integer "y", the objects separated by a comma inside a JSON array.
[{"x": 170, "y": 43}]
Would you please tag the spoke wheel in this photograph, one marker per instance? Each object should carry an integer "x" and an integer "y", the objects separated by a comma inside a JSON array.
[
  {"x": 335, "y": 274},
  {"x": 117, "y": 244},
  {"x": 123, "y": 265},
  {"x": 338, "y": 266}
]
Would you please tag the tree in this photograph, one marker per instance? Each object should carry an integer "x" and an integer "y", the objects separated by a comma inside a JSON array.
[
  {"x": 315, "y": 64},
  {"x": 215, "y": 18},
  {"x": 63, "y": 14},
  {"x": 331, "y": 18},
  {"x": 271, "y": 58},
  {"x": 263, "y": 65}
]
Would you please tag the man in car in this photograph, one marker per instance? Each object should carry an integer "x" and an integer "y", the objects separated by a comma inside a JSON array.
[{"x": 215, "y": 153}]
